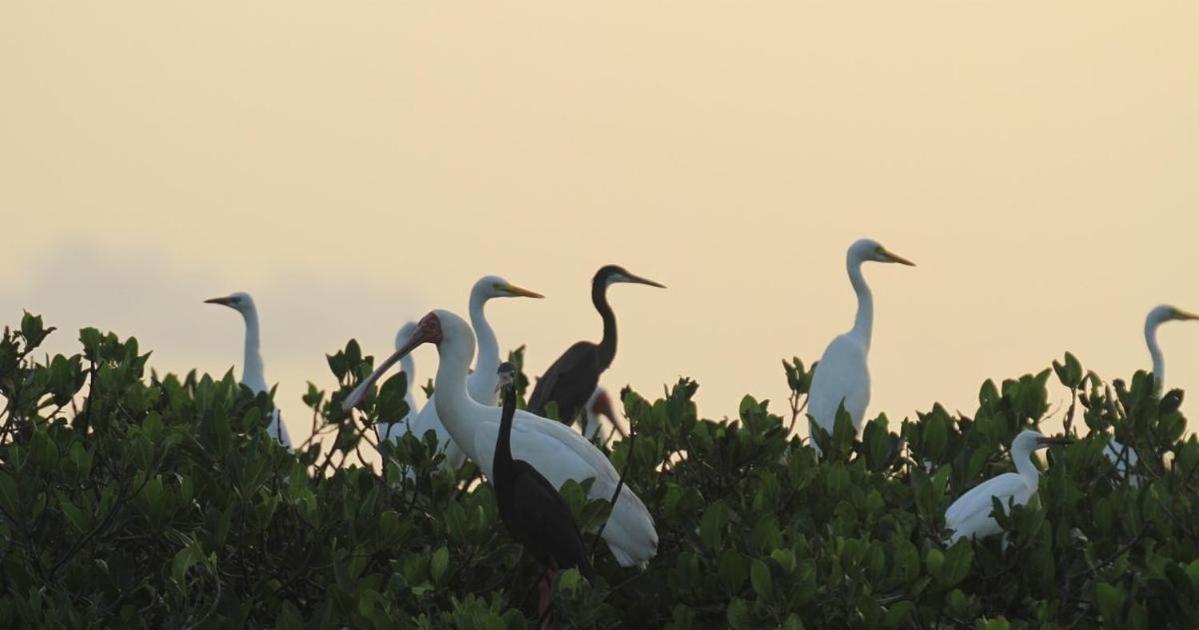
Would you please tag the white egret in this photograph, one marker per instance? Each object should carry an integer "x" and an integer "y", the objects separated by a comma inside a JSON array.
[
  {"x": 970, "y": 516},
  {"x": 481, "y": 383},
  {"x": 392, "y": 430},
  {"x": 252, "y": 375},
  {"x": 1124, "y": 457},
  {"x": 843, "y": 376},
  {"x": 556, "y": 450}
]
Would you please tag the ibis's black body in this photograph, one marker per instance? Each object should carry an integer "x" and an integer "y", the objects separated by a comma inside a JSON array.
[
  {"x": 570, "y": 381},
  {"x": 530, "y": 506}
]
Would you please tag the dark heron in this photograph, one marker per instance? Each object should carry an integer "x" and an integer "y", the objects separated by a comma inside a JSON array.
[{"x": 571, "y": 380}]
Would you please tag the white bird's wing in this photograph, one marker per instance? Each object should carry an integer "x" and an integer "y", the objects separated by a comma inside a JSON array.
[
  {"x": 841, "y": 375},
  {"x": 560, "y": 453},
  {"x": 427, "y": 419},
  {"x": 970, "y": 514}
]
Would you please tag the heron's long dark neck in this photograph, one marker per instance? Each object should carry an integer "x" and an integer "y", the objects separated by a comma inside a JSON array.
[
  {"x": 503, "y": 445},
  {"x": 607, "y": 345}
]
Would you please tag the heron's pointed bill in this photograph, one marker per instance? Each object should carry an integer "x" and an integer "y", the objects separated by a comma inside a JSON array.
[
  {"x": 1181, "y": 314},
  {"x": 1051, "y": 441},
  {"x": 896, "y": 258},
  {"x": 639, "y": 280},
  {"x": 359, "y": 392},
  {"x": 223, "y": 301},
  {"x": 521, "y": 291}
]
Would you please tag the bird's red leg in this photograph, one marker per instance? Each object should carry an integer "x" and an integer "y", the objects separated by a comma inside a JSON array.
[{"x": 543, "y": 609}]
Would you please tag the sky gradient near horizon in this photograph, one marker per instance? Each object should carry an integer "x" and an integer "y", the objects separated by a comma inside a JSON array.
[{"x": 355, "y": 165}]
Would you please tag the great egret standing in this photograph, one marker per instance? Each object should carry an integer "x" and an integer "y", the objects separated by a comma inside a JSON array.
[
  {"x": 571, "y": 380},
  {"x": 252, "y": 375},
  {"x": 843, "y": 376},
  {"x": 970, "y": 516},
  {"x": 554, "y": 449},
  {"x": 393, "y": 429},
  {"x": 530, "y": 506},
  {"x": 1124, "y": 457},
  {"x": 481, "y": 383}
]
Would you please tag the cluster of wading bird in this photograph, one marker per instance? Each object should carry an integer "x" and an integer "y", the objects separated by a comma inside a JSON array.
[{"x": 528, "y": 456}]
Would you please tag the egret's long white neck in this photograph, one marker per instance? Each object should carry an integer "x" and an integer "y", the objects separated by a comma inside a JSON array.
[
  {"x": 863, "y": 322},
  {"x": 484, "y": 379},
  {"x": 252, "y": 373},
  {"x": 1022, "y": 458},
  {"x": 409, "y": 369},
  {"x": 1155, "y": 351},
  {"x": 454, "y": 405}
]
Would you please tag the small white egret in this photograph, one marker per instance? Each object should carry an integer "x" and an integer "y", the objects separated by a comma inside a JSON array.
[
  {"x": 1124, "y": 457},
  {"x": 481, "y": 383},
  {"x": 970, "y": 516},
  {"x": 843, "y": 376},
  {"x": 252, "y": 375},
  {"x": 392, "y": 430},
  {"x": 556, "y": 450}
]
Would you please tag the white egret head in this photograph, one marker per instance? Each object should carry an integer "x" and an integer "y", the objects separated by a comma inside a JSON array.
[
  {"x": 1028, "y": 441},
  {"x": 1167, "y": 313},
  {"x": 495, "y": 286},
  {"x": 405, "y": 333},
  {"x": 871, "y": 250},
  {"x": 240, "y": 302}
]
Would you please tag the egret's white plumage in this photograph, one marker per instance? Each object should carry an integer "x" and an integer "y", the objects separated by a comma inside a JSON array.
[
  {"x": 970, "y": 515},
  {"x": 843, "y": 376},
  {"x": 482, "y": 382},
  {"x": 1124, "y": 457},
  {"x": 252, "y": 375},
  {"x": 556, "y": 450},
  {"x": 392, "y": 430}
]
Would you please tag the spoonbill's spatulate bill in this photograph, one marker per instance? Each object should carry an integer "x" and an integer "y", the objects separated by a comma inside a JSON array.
[
  {"x": 481, "y": 383},
  {"x": 554, "y": 449},
  {"x": 535, "y": 514},
  {"x": 970, "y": 515},
  {"x": 570, "y": 380},
  {"x": 252, "y": 375},
  {"x": 843, "y": 376},
  {"x": 393, "y": 429},
  {"x": 1124, "y": 457}
]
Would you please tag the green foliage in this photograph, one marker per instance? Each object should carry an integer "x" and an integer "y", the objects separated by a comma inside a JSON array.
[{"x": 133, "y": 500}]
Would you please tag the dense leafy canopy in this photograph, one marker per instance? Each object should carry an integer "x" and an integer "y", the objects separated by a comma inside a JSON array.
[{"x": 133, "y": 500}]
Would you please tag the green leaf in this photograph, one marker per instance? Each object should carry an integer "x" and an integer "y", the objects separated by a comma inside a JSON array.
[
  {"x": 738, "y": 614},
  {"x": 712, "y": 523},
  {"x": 759, "y": 577},
  {"x": 957, "y": 563},
  {"x": 185, "y": 559},
  {"x": 1110, "y": 600},
  {"x": 733, "y": 570},
  {"x": 439, "y": 563}
]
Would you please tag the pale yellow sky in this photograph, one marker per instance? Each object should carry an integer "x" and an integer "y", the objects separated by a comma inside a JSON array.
[{"x": 355, "y": 165}]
